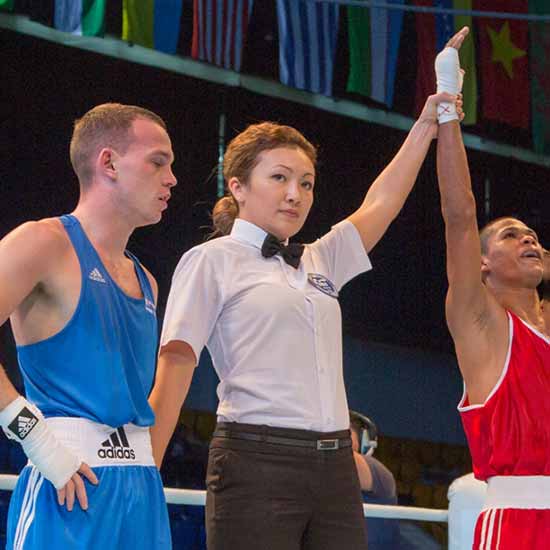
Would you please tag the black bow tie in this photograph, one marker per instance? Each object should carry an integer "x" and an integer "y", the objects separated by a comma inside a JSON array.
[{"x": 291, "y": 253}]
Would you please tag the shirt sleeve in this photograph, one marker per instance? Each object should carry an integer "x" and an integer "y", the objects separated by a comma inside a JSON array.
[
  {"x": 383, "y": 482},
  {"x": 340, "y": 255},
  {"x": 194, "y": 302}
]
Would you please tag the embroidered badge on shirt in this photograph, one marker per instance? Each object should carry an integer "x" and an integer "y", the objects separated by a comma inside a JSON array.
[{"x": 323, "y": 284}]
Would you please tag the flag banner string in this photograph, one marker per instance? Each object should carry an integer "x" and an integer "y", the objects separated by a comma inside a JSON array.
[{"x": 434, "y": 9}]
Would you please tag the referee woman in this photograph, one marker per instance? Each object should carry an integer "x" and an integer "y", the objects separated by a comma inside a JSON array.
[{"x": 281, "y": 473}]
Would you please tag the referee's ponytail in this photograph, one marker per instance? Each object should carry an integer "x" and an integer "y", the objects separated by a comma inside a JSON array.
[{"x": 223, "y": 215}]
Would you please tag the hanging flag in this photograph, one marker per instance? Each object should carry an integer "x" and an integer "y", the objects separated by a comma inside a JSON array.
[
  {"x": 67, "y": 16},
  {"x": 374, "y": 37},
  {"x": 539, "y": 59},
  {"x": 467, "y": 62},
  {"x": 137, "y": 22},
  {"x": 82, "y": 17},
  {"x": 219, "y": 31},
  {"x": 503, "y": 59},
  {"x": 6, "y": 5},
  {"x": 152, "y": 23},
  {"x": 308, "y": 33},
  {"x": 360, "y": 70},
  {"x": 167, "y": 25},
  {"x": 433, "y": 31}
]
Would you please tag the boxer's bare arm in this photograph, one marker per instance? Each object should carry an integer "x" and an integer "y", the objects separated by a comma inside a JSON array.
[
  {"x": 478, "y": 324},
  {"x": 29, "y": 257},
  {"x": 7, "y": 392}
]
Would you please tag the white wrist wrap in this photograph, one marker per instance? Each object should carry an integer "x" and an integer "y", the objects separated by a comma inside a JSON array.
[
  {"x": 24, "y": 423},
  {"x": 449, "y": 79}
]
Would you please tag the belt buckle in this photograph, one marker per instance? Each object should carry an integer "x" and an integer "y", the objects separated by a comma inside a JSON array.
[{"x": 328, "y": 444}]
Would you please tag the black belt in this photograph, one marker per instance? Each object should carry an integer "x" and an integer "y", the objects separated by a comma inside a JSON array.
[{"x": 319, "y": 444}]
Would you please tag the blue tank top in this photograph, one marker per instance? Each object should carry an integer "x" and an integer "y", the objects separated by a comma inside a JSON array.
[{"x": 101, "y": 365}]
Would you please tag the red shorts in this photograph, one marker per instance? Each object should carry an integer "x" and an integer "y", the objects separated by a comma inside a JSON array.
[{"x": 512, "y": 529}]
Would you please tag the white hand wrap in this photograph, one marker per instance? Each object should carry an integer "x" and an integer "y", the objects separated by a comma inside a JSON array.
[
  {"x": 449, "y": 79},
  {"x": 24, "y": 423}
]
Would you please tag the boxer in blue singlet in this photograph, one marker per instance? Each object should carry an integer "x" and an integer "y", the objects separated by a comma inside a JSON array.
[{"x": 83, "y": 313}]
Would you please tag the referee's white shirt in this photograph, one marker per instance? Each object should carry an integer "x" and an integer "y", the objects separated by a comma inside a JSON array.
[{"x": 274, "y": 338}]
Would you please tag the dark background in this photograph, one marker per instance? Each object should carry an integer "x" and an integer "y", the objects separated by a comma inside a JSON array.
[{"x": 45, "y": 86}]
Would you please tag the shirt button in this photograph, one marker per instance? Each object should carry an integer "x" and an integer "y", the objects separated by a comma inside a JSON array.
[{"x": 322, "y": 370}]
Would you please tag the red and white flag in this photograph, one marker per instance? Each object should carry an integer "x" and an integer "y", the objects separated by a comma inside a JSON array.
[{"x": 219, "y": 31}]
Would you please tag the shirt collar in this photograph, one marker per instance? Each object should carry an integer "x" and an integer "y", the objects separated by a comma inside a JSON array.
[{"x": 247, "y": 232}]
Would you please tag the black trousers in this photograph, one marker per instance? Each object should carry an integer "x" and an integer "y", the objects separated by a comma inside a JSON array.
[{"x": 265, "y": 496}]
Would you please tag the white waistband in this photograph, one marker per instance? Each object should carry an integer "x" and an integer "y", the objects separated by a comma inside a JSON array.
[
  {"x": 101, "y": 445},
  {"x": 518, "y": 492}
]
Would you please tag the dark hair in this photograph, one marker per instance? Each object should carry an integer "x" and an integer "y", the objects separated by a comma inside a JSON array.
[
  {"x": 355, "y": 424},
  {"x": 106, "y": 125},
  {"x": 241, "y": 157},
  {"x": 488, "y": 230}
]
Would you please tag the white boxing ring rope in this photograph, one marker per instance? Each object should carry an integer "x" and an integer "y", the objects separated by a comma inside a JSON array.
[{"x": 198, "y": 498}]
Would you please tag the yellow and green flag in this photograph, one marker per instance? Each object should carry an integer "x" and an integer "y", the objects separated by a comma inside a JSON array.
[
  {"x": 467, "y": 62},
  {"x": 152, "y": 23}
]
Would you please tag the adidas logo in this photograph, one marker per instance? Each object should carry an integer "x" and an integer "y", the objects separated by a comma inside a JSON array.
[
  {"x": 96, "y": 275},
  {"x": 117, "y": 446},
  {"x": 150, "y": 306},
  {"x": 23, "y": 423}
]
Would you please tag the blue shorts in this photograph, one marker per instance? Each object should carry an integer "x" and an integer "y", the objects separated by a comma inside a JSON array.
[{"x": 127, "y": 510}]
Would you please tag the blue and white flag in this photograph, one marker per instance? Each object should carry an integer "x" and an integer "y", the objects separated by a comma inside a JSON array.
[
  {"x": 308, "y": 32},
  {"x": 386, "y": 28}
]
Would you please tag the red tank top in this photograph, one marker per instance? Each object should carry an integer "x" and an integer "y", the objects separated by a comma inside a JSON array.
[{"x": 510, "y": 433}]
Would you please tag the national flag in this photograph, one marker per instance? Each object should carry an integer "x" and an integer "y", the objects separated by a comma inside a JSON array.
[
  {"x": 374, "y": 36},
  {"x": 219, "y": 31},
  {"x": 467, "y": 62},
  {"x": 308, "y": 32},
  {"x": 503, "y": 59},
  {"x": 138, "y": 22},
  {"x": 6, "y": 5},
  {"x": 539, "y": 60},
  {"x": 360, "y": 62},
  {"x": 433, "y": 31},
  {"x": 152, "y": 23},
  {"x": 81, "y": 17}
]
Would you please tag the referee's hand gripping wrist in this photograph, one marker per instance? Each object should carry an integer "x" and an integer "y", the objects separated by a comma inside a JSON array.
[
  {"x": 450, "y": 76},
  {"x": 24, "y": 423},
  {"x": 449, "y": 79}
]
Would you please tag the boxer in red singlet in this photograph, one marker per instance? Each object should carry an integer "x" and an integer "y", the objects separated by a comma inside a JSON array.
[{"x": 502, "y": 344}]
